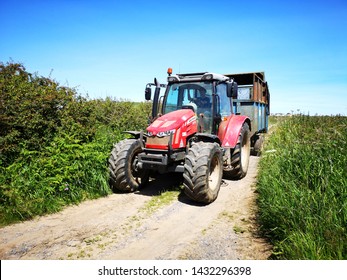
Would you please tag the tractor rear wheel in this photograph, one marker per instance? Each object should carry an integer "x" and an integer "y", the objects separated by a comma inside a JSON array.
[
  {"x": 124, "y": 173},
  {"x": 203, "y": 170},
  {"x": 240, "y": 155}
]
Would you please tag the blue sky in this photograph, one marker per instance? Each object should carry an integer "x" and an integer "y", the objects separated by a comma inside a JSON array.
[{"x": 113, "y": 48}]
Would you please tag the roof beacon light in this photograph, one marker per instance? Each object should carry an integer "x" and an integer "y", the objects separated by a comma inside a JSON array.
[{"x": 169, "y": 71}]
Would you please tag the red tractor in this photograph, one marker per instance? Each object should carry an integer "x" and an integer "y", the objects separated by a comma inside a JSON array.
[{"x": 195, "y": 130}]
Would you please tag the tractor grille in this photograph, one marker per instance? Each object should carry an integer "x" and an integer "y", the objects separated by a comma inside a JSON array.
[{"x": 161, "y": 141}]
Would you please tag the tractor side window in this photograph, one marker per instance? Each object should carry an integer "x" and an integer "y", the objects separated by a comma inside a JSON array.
[{"x": 225, "y": 109}]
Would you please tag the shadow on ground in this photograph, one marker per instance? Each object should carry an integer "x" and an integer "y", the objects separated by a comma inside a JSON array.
[{"x": 167, "y": 182}]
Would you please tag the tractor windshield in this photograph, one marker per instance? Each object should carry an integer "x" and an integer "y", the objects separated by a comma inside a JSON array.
[{"x": 197, "y": 95}]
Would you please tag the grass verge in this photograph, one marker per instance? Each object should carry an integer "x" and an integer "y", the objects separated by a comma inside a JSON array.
[{"x": 302, "y": 187}]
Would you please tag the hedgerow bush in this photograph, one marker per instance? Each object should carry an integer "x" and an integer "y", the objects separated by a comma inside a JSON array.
[
  {"x": 54, "y": 143},
  {"x": 30, "y": 110}
]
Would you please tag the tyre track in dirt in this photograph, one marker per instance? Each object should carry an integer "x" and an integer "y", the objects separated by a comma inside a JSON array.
[{"x": 116, "y": 227}]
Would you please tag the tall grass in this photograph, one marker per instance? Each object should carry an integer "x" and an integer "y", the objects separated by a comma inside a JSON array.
[
  {"x": 303, "y": 188},
  {"x": 64, "y": 172}
]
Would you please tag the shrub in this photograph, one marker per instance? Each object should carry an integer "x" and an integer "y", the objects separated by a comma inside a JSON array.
[
  {"x": 54, "y": 143},
  {"x": 30, "y": 110}
]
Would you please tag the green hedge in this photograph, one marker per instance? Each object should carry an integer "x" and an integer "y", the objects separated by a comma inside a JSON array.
[{"x": 54, "y": 143}]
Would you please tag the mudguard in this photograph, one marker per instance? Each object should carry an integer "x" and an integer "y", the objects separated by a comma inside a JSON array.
[{"x": 229, "y": 130}]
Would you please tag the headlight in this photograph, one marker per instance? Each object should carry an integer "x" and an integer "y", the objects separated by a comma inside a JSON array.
[
  {"x": 207, "y": 77},
  {"x": 166, "y": 133},
  {"x": 173, "y": 79}
]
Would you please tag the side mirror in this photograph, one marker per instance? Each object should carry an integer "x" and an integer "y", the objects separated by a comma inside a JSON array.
[
  {"x": 148, "y": 93},
  {"x": 232, "y": 89}
]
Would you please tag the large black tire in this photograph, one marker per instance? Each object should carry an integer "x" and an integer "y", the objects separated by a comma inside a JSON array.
[
  {"x": 124, "y": 175},
  {"x": 257, "y": 142},
  {"x": 240, "y": 155},
  {"x": 203, "y": 171}
]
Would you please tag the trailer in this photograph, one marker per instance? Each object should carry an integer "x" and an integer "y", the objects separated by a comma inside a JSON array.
[{"x": 253, "y": 100}]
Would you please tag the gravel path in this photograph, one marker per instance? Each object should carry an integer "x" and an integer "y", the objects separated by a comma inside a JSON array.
[{"x": 115, "y": 227}]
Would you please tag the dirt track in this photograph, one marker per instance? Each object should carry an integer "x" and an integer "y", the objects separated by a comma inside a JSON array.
[{"x": 115, "y": 228}]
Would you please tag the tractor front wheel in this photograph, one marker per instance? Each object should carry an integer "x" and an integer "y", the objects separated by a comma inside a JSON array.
[
  {"x": 124, "y": 173},
  {"x": 203, "y": 170}
]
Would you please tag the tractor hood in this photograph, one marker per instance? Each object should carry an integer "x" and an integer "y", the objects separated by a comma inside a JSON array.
[{"x": 170, "y": 122}]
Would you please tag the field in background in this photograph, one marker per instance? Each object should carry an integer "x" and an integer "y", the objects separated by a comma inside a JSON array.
[{"x": 302, "y": 187}]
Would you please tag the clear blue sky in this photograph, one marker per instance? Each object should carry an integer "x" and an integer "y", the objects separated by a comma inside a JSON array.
[{"x": 113, "y": 48}]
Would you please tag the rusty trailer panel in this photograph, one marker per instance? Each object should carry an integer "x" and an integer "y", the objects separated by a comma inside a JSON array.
[
  {"x": 253, "y": 83},
  {"x": 253, "y": 99}
]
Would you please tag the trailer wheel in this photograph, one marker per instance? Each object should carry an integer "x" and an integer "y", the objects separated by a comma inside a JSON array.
[
  {"x": 203, "y": 170},
  {"x": 124, "y": 174},
  {"x": 240, "y": 155},
  {"x": 257, "y": 142}
]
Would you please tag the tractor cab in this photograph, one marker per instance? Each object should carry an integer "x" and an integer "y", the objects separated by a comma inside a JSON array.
[{"x": 207, "y": 94}]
